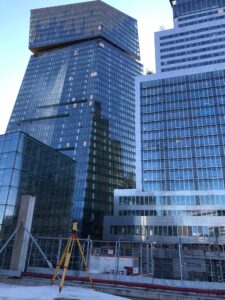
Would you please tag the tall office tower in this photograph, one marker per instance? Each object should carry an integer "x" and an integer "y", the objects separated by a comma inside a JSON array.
[
  {"x": 197, "y": 39},
  {"x": 180, "y": 135},
  {"x": 78, "y": 97}
]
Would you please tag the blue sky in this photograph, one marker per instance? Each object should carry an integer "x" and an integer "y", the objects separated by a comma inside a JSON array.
[{"x": 14, "y": 32}]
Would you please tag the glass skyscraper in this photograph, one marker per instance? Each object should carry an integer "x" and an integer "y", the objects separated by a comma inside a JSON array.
[
  {"x": 78, "y": 97},
  {"x": 180, "y": 135},
  {"x": 197, "y": 37}
]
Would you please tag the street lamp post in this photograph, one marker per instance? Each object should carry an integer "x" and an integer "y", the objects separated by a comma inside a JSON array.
[
  {"x": 181, "y": 263},
  {"x": 147, "y": 257},
  {"x": 152, "y": 259}
]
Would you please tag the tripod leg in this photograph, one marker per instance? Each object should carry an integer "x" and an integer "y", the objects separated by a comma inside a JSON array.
[
  {"x": 84, "y": 261},
  {"x": 66, "y": 264},
  {"x": 61, "y": 261}
]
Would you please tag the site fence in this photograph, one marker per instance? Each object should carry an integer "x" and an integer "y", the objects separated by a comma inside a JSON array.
[{"x": 180, "y": 261}]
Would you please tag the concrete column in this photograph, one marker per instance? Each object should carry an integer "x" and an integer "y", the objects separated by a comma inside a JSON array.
[{"x": 21, "y": 243}]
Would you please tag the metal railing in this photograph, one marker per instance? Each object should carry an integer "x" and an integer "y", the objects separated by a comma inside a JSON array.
[{"x": 180, "y": 261}]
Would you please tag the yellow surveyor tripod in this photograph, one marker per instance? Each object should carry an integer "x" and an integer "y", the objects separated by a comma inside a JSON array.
[{"x": 66, "y": 257}]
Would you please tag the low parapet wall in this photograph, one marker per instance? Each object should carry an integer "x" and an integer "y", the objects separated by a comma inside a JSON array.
[{"x": 139, "y": 282}]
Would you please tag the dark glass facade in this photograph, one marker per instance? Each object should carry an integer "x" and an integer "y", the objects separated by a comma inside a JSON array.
[
  {"x": 28, "y": 167},
  {"x": 63, "y": 25},
  {"x": 77, "y": 96}
]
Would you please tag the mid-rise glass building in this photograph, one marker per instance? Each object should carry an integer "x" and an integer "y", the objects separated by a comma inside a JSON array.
[
  {"x": 78, "y": 97},
  {"x": 180, "y": 135},
  {"x": 29, "y": 167}
]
